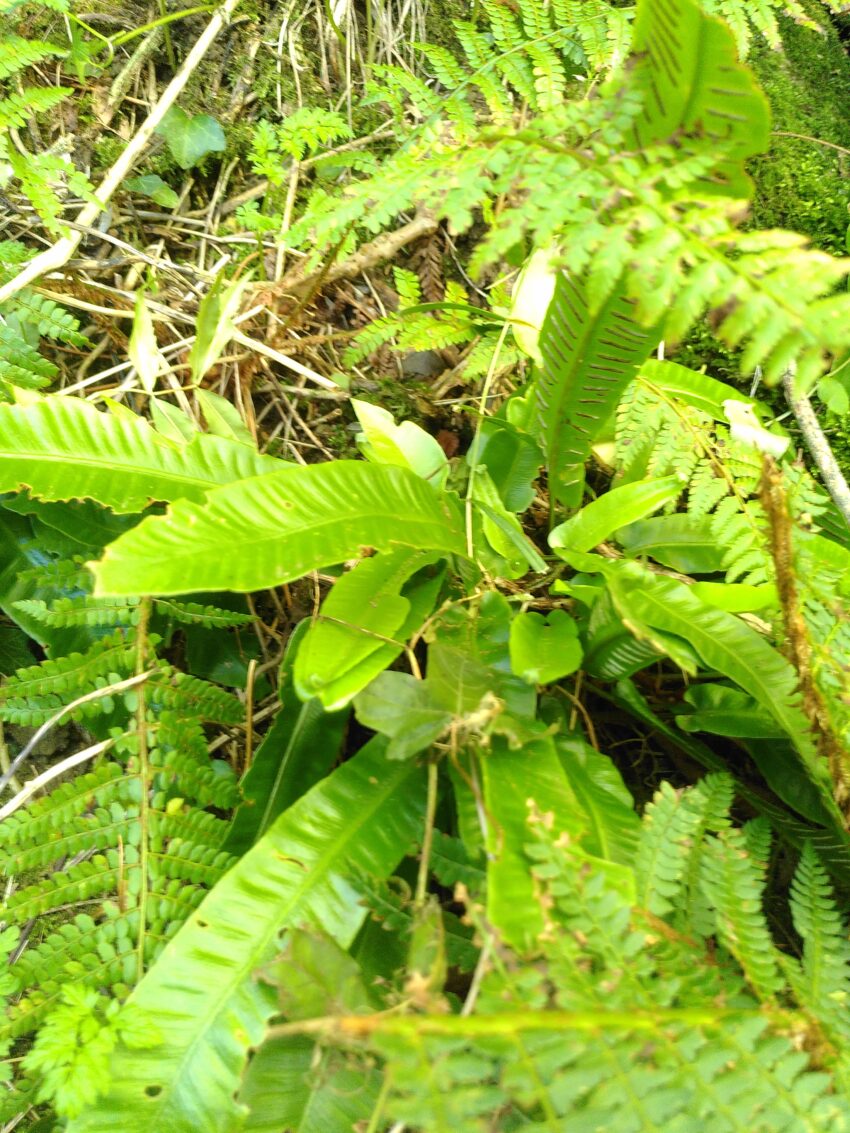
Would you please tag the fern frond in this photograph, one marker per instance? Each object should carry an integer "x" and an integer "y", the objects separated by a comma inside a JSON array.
[
  {"x": 75, "y": 885},
  {"x": 194, "y": 697},
  {"x": 17, "y": 53},
  {"x": 194, "y": 613},
  {"x": 82, "y": 611},
  {"x": 824, "y": 982},
  {"x": 674, "y": 826},
  {"x": 184, "y": 768},
  {"x": 98, "y": 954},
  {"x": 35, "y": 693},
  {"x": 526, "y": 1055},
  {"x": 116, "y": 819},
  {"x": 512, "y": 62},
  {"x": 48, "y": 318},
  {"x": 21, "y": 364},
  {"x": 16, "y": 108},
  {"x": 746, "y": 16},
  {"x": 38, "y": 823},
  {"x": 734, "y": 885}
]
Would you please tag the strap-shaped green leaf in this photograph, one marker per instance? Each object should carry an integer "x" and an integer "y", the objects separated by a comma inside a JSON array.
[
  {"x": 726, "y": 644},
  {"x": 589, "y": 357},
  {"x": 203, "y": 991},
  {"x": 691, "y": 386},
  {"x": 63, "y": 448},
  {"x": 277, "y": 528},
  {"x": 621, "y": 506},
  {"x": 613, "y": 824},
  {"x": 696, "y": 93},
  {"x": 679, "y": 541},
  {"x": 368, "y": 610}
]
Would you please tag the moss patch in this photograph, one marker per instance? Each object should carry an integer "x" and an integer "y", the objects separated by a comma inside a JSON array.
[{"x": 802, "y": 185}]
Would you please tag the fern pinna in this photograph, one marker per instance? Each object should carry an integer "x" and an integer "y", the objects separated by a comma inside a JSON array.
[
  {"x": 636, "y": 1014},
  {"x": 103, "y": 870}
]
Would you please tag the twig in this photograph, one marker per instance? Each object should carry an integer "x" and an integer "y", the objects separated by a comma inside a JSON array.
[
  {"x": 59, "y": 253},
  {"x": 818, "y": 445},
  {"x": 95, "y": 694},
  {"x": 369, "y": 256},
  {"x": 29, "y": 789},
  {"x": 284, "y": 360}
]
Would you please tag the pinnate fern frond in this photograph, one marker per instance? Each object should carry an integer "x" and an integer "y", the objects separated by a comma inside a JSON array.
[
  {"x": 81, "y": 611},
  {"x": 620, "y": 1026},
  {"x": 32, "y": 695},
  {"x": 734, "y": 884},
  {"x": 674, "y": 825},
  {"x": 16, "y": 108},
  {"x": 196, "y": 613},
  {"x": 824, "y": 980},
  {"x": 21, "y": 364}
]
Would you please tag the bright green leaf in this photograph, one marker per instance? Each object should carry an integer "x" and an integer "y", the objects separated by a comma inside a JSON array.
[
  {"x": 544, "y": 649},
  {"x": 204, "y": 991},
  {"x": 405, "y": 445},
  {"x": 680, "y": 541},
  {"x": 599, "y": 519},
  {"x": 613, "y": 823},
  {"x": 62, "y": 448},
  {"x": 352, "y": 640},
  {"x": 153, "y": 186},
  {"x": 222, "y": 418},
  {"x": 405, "y": 710},
  {"x": 190, "y": 139},
  {"x": 284, "y": 525},
  {"x": 214, "y": 326},
  {"x": 726, "y": 712}
]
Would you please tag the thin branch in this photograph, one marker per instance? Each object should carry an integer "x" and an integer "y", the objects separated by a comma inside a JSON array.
[
  {"x": 95, "y": 694},
  {"x": 59, "y": 253},
  {"x": 818, "y": 445},
  {"x": 29, "y": 789}
]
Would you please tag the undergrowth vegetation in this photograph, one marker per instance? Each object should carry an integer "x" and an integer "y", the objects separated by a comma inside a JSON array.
[{"x": 451, "y": 683}]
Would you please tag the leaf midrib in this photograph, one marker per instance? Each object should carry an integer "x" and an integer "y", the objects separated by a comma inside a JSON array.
[{"x": 309, "y": 885}]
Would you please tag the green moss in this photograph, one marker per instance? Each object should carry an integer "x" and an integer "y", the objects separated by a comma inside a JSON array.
[
  {"x": 438, "y": 20},
  {"x": 800, "y": 184}
]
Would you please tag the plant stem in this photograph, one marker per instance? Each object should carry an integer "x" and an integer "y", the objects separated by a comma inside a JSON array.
[
  {"x": 428, "y": 836},
  {"x": 144, "y": 775},
  {"x": 58, "y": 254},
  {"x": 169, "y": 43},
  {"x": 818, "y": 445}
]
